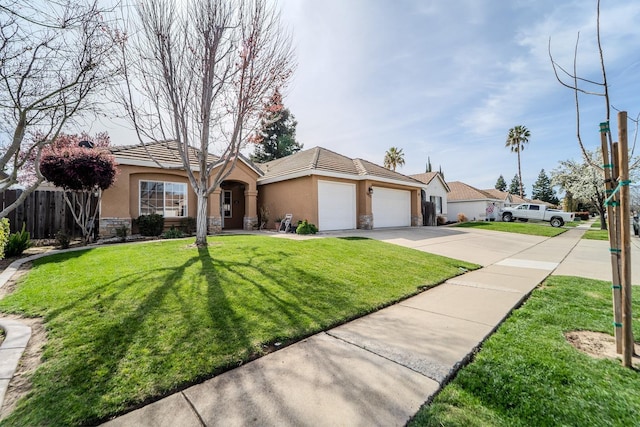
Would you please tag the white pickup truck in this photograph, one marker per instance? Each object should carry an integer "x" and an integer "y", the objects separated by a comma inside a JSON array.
[{"x": 532, "y": 211}]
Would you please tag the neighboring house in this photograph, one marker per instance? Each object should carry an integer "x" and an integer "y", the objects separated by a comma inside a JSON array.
[
  {"x": 481, "y": 205},
  {"x": 475, "y": 204},
  {"x": 435, "y": 190},
  {"x": 336, "y": 192},
  {"x": 328, "y": 189}
]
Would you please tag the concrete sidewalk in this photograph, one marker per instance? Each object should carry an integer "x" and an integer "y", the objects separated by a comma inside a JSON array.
[{"x": 379, "y": 369}]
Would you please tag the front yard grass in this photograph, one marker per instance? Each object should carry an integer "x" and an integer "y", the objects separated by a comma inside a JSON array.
[
  {"x": 592, "y": 234},
  {"x": 536, "y": 229},
  {"x": 130, "y": 323},
  {"x": 528, "y": 374}
]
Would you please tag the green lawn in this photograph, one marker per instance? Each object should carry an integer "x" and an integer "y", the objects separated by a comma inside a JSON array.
[
  {"x": 134, "y": 322},
  {"x": 527, "y": 374},
  {"x": 593, "y": 234},
  {"x": 536, "y": 229}
]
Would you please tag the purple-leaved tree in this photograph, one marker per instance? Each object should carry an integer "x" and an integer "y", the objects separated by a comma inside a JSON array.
[{"x": 83, "y": 171}]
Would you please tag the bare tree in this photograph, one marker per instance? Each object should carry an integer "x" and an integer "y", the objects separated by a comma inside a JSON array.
[
  {"x": 54, "y": 57},
  {"x": 198, "y": 74}
]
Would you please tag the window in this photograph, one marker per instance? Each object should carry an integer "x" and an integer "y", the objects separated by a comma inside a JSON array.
[
  {"x": 534, "y": 207},
  {"x": 168, "y": 199},
  {"x": 226, "y": 204},
  {"x": 437, "y": 201}
]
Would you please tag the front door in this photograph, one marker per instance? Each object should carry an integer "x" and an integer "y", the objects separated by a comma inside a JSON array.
[{"x": 232, "y": 205}]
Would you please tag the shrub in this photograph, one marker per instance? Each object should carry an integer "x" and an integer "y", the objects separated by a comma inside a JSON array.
[
  {"x": 121, "y": 232},
  {"x": 172, "y": 233},
  {"x": 63, "y": 239},
  {"x": 4, "y": 235},
  {"x": 462, "y": 217},
  {"x": 305, "y": 228},
  {"x": 151, "y": 225},
  {"x": 441, "y": 220},
  {"x": 18, "y": 242},
  {"x": 188, "y": 225}
]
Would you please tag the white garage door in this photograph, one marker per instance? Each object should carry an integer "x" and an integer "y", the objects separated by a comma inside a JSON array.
[
  {"x": 336, "y": 206},
  {"x": 391, "y": 208}
]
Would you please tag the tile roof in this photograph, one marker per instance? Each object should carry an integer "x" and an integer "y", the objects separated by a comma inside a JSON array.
[
  {"x": 461, "y": 191},
  {"x": 518, "y": 200},
  {"x": 501, "y": 195},
  {"x": 320, "y": 160},
  {"x": 165, "y": 152}
]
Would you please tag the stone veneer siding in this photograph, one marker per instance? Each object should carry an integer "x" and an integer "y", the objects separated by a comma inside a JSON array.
[
  {"x": 214, "y": 224},
  {"x": 416, "y": 221},
  {"x": 107, "y": 226},
  {"x": 250, "y": 222},
  {"x": 365, "y": 222}
]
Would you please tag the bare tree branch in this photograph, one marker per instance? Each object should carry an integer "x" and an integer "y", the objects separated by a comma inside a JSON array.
[
  {"x": 54, "y": 57},
  {"x": 197, "y": 75}
]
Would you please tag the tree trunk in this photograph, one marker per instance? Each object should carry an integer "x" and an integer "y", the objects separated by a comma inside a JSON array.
[
  {"x": 201, "y": 220},
  {"x": 603, "y": 221},
  {"x": 520, "y": 174}
]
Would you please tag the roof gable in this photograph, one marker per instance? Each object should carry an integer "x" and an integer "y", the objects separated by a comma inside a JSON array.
[{"x": 427, "y": 177}]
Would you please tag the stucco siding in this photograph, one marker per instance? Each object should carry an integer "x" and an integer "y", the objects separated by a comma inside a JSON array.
[
  {"x": 471, "y": 209},
  {"x": 296, "y": 196},
  {"x": 435, "y": 188}
]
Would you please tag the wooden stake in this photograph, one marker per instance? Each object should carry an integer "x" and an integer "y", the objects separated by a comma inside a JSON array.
[
  {"x": 613, "y": 242},
  {"x": 625, "y": 231}
]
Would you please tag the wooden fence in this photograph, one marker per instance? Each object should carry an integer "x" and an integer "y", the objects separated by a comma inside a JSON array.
[{"x": 43, "y": 213}]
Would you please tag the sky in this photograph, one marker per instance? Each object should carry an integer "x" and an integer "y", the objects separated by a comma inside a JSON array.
[{"x": 446, "y": 80}]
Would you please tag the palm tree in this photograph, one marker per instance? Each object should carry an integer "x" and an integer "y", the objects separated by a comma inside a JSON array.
[
  {"x": 516, "y": 139},
  {"x": 393, "y": 157}
]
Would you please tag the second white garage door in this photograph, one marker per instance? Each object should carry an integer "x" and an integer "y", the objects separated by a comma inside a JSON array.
[
  {"x": 336, "y": 206},
  {"x": 391, "y": 208}
]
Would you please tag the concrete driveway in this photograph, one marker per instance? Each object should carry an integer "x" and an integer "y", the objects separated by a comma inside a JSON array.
[{"x": 472, "y": 245}]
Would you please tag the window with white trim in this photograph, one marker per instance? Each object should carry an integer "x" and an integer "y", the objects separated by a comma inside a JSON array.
[{"x": 168, "y": 199}]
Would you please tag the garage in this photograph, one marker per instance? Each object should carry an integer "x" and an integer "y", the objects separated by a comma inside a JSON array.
[
  {"x": 336, "y": 206},
  {"x": 391, "y": 208}
]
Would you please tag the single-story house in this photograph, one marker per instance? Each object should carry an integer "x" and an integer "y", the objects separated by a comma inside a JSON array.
[
  {"x": 480, "y": 205},
  {"x": 435, "y": 190},
  {"x": 143, "y": 187},
  {"x": 473, "y": 203},
  {"x": 327, "y": 189}
]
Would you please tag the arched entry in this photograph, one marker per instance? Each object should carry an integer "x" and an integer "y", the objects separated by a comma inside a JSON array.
[{"x": 232, "y": 205}]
